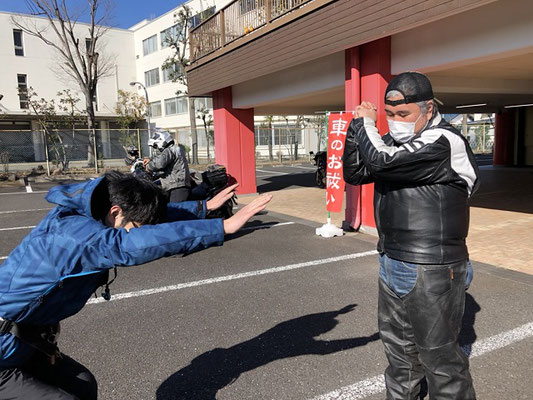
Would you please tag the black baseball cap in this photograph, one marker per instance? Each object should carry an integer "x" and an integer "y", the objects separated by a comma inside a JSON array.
[{"x": 414, "y": 86}]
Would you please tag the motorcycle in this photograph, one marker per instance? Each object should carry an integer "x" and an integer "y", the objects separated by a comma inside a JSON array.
[
  {"x": 320, "y": 160},
  {"x": 213, "y": 181}
]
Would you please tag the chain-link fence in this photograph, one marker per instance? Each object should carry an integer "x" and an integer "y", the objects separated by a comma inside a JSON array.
[
  {"x": 479, "y": 136},
  {"x": 76, "y": 148},
  {"x": 67, "y": 149}
]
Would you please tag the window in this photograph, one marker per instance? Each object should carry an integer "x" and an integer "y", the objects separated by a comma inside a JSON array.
[
  {"x": 203, "y": 102},
  {"x": 176, "y": 105},
  {"x": 170, "y": 34},
  {"x": 150, "y": 45},
  {"x": 88, "y": 43},
  {"x": 151, "y": 77},
  {"x": 17, "y": 39},
  {"x": 201, "y": 16},
  {"x": 155, "y": 109},
  {"x": 168, "y": 71},
  {"x": 23, "y": 91}
]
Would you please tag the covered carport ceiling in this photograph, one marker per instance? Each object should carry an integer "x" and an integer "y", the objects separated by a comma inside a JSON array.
[{"x": 496, "y": 83}]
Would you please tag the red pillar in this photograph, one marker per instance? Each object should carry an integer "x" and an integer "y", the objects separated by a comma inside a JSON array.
[
  {"x": 503, "y": 153},
  {"x": 234, "y": 140},
  {"x": 375, "y": 76},
  {"x": 352, "y": 98}
]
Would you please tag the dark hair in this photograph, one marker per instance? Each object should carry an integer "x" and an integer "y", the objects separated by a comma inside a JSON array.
[{"x": 140, "y": 200}]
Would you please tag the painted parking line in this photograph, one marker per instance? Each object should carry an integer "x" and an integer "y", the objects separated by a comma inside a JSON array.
[
  {"x": 16, "y": 228},
  {"x": 163, "y": 289},
  {"x": 272, "y": 172},
  {"x": 3, "y": 258},
  {"x": 298, "y": 166},
  {"x": 375, "y": 385},
  {"x": 35, "y": 192},
  {"x": 19, "y": 211}
]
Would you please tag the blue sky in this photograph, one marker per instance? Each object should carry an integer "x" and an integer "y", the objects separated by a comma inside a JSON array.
[{"x": 125, "y": 14}]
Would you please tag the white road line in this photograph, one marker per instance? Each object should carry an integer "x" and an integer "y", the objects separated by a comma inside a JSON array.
[
  {"x": 266, "y": 226},
  {"x": 272, "y": 172},
  {"x": 179, "y": 286},
  {"x": 371, "y": 386},
  {"x": 3, "y": 258},
  {"x": 37, "y": 192},
  {"x": 19, "y": 211},
  {"x": 17, "y": 228},
  {"x": 297, "y": 166}
]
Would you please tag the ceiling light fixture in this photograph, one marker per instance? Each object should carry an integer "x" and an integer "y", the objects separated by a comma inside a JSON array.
[{"x": 471, "y": 105}]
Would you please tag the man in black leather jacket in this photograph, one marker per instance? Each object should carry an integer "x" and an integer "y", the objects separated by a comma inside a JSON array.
[{"x": 424, "y": 174}]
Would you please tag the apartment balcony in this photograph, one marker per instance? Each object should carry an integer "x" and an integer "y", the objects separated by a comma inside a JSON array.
[{"x": 243, "y": 20}]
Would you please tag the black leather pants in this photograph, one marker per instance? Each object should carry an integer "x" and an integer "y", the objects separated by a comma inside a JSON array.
[{"x": 420, "y": 330}]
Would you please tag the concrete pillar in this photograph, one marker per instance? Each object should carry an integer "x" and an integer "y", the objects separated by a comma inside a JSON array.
[
  {"x": 352, "y": 98},
  {"x": 504, "y": 134},
  {"x": 234, "y": 140},
  {"x": 375, "y": 75},
  {"x": 106, "y": 139},
  {"x": 38, "y": 142}
]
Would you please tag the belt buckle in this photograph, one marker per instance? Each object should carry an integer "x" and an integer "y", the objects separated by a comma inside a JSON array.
[{"x": 5, "y": 326}]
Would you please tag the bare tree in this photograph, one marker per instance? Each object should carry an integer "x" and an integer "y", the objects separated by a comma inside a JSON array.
[
  {"x": 80, "y": 58},
  {"x": 179, "y": 61},
  {"x": 207, "y": 119},
  {"x": 318, "y": 122}
]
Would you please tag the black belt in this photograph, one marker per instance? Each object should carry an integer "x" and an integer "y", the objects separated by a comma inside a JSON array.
[{"x": 30, "y": 335}]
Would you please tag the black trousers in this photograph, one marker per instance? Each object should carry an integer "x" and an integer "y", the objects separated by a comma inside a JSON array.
[
  {"x": 38, "y": 379},
  {"x": 420, "y": 330},
  {"x": 180, "y": 194}
]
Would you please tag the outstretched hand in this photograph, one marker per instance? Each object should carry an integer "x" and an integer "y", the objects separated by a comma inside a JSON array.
[
  {"x": 236, "y": 222},
  {"x": 221, "y": 197}
]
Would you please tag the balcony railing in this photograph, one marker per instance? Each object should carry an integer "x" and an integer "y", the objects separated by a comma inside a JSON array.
[{"x": 238, "y": 19}]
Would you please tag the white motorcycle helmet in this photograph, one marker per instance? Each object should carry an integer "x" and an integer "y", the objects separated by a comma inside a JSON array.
[{"x": 160, "y": 140}]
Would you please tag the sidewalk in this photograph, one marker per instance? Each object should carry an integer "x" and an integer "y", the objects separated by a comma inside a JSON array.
[{"x": 501, "y": 216}]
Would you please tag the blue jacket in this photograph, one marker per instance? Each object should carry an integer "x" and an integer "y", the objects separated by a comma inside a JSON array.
[{"x": 52, "y": 273}]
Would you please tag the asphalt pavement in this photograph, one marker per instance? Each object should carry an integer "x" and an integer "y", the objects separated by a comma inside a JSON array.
[{"x": 275, "y": 313}]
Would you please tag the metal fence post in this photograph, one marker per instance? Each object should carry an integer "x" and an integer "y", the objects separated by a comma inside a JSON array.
[
  {"x": 139, "y": 143},
  {"x": 95, "y": 152},
  {"x": 45, "y": 141},
  {"x": 279, "y": 146}
]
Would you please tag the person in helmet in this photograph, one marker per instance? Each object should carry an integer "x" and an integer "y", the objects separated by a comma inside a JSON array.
[{"x": 172, "y": 164}]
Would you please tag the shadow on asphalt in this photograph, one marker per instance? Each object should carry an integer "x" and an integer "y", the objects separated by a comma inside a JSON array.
[
  {"x": 468, "y": 336},
  {"x": 280, "y": 182},
  {"x": 215, "y": 369},
  {"x": 508, "y": 189}
]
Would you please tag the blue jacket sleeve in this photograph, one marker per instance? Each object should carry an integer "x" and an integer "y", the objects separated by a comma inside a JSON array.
[
  {"x": 186, "y": 210},
  {"x": 117, "y": 247}
]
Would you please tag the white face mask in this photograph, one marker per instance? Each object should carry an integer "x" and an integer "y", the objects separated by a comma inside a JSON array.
[{"x": 402, "y": 132}]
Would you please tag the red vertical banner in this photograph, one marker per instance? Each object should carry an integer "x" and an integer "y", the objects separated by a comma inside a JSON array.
[{"x": 337, "y": 127}]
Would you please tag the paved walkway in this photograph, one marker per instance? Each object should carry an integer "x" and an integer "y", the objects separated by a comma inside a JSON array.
[{"x": 501, "y": 226}]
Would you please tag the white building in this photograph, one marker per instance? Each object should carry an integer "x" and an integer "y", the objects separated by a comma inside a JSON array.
[{"x": 137, "y": 55}]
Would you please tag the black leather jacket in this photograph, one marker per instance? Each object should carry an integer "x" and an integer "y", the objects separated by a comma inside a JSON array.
[{"x": 422, "y": 189}]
